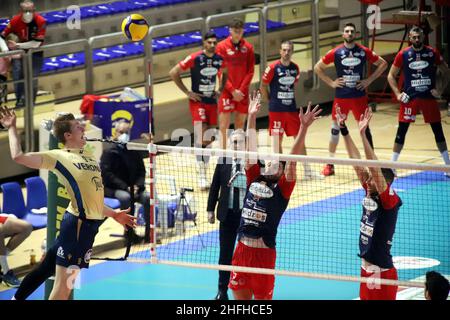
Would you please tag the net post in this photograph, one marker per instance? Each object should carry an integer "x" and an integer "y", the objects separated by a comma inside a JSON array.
[{"x": 152, "y": 150}]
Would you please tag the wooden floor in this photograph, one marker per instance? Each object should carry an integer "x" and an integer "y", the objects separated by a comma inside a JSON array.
[{"x": 420, "y": 147}]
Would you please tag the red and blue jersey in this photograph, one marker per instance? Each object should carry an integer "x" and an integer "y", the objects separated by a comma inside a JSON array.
[
  {"x": 282, "y": 80},
  {"x": 204, "y": 72},
  {"x": 349, "y": 65},
  {"x": 264, "y": 205},
  {"x": 378, "y": 226},
  {"x": 35, "y": 30},
  {"x": 419, "y": 70}
]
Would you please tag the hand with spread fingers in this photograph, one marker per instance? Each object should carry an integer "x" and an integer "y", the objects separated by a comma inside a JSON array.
[
  {"x": 255, "y": 103},
  {"x": 364, "y": 120},
  {"x": 307, "y": 118},
  {"x": 125, "y": 219},
  {"x": 340, "y": 117},
  {"x": 7, "y": 117}
]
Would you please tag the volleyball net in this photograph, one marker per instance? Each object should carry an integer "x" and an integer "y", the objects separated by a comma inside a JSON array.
[{"x": 318, "y": 235}]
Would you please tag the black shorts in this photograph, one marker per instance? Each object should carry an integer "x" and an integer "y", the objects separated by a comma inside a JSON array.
[{"x": 74, "y": 243}]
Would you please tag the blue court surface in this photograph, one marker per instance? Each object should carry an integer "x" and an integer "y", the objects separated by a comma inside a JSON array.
[{"x": 422, "y": 232}]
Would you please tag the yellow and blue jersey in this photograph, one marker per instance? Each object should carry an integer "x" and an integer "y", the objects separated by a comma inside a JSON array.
[{"x": 80, "y": 173}]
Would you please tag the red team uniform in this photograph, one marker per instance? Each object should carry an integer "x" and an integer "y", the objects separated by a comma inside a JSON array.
[
  {"x": 349, "y": 65},
  {"x": 419, "y": 72},
  {"x": 375, "y": 241},
  {"x": 283, "y": 113},
  {"x": 240, "y": 62},
  {"x": 264, "y": 206},
  {"x": 204, "y": 72}
]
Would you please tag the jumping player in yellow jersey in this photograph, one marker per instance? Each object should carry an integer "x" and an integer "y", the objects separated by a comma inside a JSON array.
[{"x": 80, "y": 174}]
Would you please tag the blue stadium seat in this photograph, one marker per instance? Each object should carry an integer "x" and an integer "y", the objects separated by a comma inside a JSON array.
[
  {"x": 36, "y": 193},
  {"x": 13, "y": 203},
  {"x": 112, "y": 203},
  {"x": 137, "y": 48}
]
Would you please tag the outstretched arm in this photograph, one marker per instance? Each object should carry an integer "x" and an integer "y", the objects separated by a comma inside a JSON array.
[
  {"x": 306, "y": 119},
  {"x": 253, "y": 108},
  {"x": 377, "y": 175},
  {"x": 8, "y": 120},
  {"x": 121, "y": 216},
  {"x": 352, "y": 150}
]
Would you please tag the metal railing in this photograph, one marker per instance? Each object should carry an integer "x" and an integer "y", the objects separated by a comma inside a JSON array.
[
  {"x": 262, "y": 30},
  {"x": 315, "y": 32},
  {"x": 198, "y": 23}
]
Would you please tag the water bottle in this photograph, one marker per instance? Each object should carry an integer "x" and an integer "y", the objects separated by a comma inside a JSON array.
[
  {"x": 43, "y": 248},
  {"x": 179, "y": 221},
  {"x": 139, "y": 214},
  {"x": 32, "y": 257}
]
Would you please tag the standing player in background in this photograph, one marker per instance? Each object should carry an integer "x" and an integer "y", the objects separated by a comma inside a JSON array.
[
  {"x": 380, "y": 210},
  {"x": 281, "y": 77},
  {"x": 239, "y": 57},
  {"x": 204, "y": 66},
  {"x": 268, "y": 193},
  {"x": 349, "y": 60},
  {"x": 419, "y": 64},
  {"x": 79, "y": 172},
  {"x": 30, "y": 27}
]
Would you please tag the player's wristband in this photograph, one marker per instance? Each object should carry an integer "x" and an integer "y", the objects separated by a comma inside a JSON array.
[{"x": 344, "y": 130}]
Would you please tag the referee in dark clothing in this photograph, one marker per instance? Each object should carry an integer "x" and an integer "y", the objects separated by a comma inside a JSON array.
[{"x": 228, "y": 190}]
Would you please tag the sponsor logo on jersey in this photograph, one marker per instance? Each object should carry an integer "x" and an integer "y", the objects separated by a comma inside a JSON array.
[
  {"x": 97, "y": 183},
  {"x": 260, "y": 190},
  {"x": 351, "y": 62},
  {"x": 369, "y": 204},
  {"x": 366, "y": 230},
  {"x": 289, "y": 80},
  {"x": 60, "y": 252},
  {"x": 87, "y": 256},
  {"x": 418, "y": 65},
  {"x": 208, "y": 72},
  {"x": 230, "y": 52},
  {"x": 254, "y": 215}
]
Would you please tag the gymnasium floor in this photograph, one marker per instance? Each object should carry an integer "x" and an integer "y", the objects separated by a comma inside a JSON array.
[{"x": 126, "y": 280}]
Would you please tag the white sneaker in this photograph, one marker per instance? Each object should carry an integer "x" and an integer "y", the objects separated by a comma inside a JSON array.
[
  {"x": 312, "y": 175},
  {"x": 202, "y": 181}
]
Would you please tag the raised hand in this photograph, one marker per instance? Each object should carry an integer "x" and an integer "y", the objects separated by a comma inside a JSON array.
[
  {"x": 7, "y": 117},
  {"x": 255, "y": 103},
  {"x": 340, "y": 117},
  {"x": 309, "y": 116},
  {"x": 364, "y": 120}
]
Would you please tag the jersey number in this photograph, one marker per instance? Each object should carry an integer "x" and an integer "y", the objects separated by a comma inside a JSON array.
[{"x": 277, "y": 124}]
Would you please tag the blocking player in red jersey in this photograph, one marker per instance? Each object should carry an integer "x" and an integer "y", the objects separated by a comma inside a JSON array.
[
  {"x": 349, "y": 60},
  {"x": 281, "y": 77},
  {"x": 239, "y": 58},
  {"x": 268, "y": 193},
  {"x": 30, "y": 27},
  {"x": 380, "y": 210},
  {"x": 419, "y": 64},
  {"x": 204, "y": 66}
]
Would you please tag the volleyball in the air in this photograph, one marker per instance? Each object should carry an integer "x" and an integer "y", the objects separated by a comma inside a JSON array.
[{"x": 135, "y": 27}]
